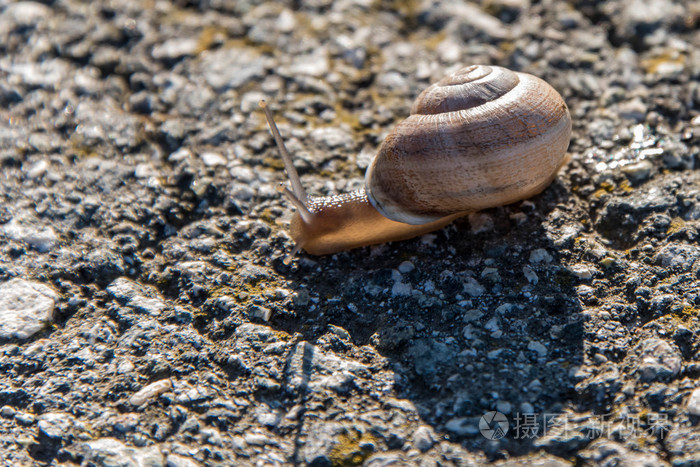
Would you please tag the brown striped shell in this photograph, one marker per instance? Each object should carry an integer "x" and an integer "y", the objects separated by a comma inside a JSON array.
[{"x": 481, "y": 137}]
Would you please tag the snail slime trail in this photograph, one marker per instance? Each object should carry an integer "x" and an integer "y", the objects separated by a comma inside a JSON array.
[{"x": 483, "y": 136}]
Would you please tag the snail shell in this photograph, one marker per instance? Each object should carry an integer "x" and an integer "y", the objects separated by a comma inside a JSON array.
[{"x": 481, "y": 137}]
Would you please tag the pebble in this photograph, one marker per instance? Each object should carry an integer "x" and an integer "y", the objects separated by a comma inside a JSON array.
[
  {"x": 26, "y": 307},
  {"x": 41, "y": 238},
  {"x": 38, "y": 169},
  {"x": 212, "y": 159},
  {"x": 174, "y": 460},
  {"x": 310, "y": 367},
  {"x": 504, "y": 407},
  {"x": 676, "y": 256},
  {"x": 540, "y": 255},
  {"x": 401, "y": 289},
  {"x": 232, "y": 67},
  {"x": 110, "y": 452},
  {"x": 659, "y": 361},
  {"x": 25, "y": 418},
  {"x": 640, "y": 18},
  {"x": 187, "y": 395},
  {"x": 340, "y": 332},
  {"x": 493, "y": 324},
  {"x": 581, "y": 272},
  {"x": 462, "y": 426},
  {"x": 472, "y": 315},
  {"x": 175, "y": 48},
  {"x": 468, "y": 332},
  {"x": 125, "y": 366},
  {"x": 313, "y": 64},
  {"x": 530, "y": 275},
  {"x": 151, "y": 391},
  {"x": 423, "y": 438},
  {"x": 48, "y": 74},
  {"x": 332, "y": 137},
  {"x": 608, "y": 453},
  {"x": 491, "y": 274},
  {"x": 428, "y": 355},
  {"x": 527, "y": 408},
  {"x": 538, "y": 347},
  {"x": 693, "y": 405},
  {"x": 55, "y": 425},
  {"x": 259, "y": 312},
  {"x": 472, "y": 288},
  {"x": 406, "y": 267},
  {"x": 257, "y": 439},
  {"x": 24, "y": 14},
  {"x": 638, "y": 172},
  {"x": 138, "y": 297},
  {"x": 386, "y": 459}
]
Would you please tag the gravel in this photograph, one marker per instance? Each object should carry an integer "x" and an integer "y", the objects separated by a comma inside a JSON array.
[{"x": 147, "y": 316}]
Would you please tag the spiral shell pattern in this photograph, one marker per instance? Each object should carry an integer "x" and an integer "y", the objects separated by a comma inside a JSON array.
[{"x": 481, "y": 137}]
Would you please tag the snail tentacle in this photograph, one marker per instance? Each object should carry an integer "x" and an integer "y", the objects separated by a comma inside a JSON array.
[{"x": 297, "y": 188}]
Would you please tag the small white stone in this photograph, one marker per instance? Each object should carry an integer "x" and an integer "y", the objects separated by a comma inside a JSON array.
[
  {"x": 461, "y": 426},
  {"x": 494, "y": 354},
  {"x": 41, "y": 238},
  {"x": 144, "y": 171},
  {"x": 286, "y": 22},
  {"x": 212, "y": 159},
  {"x": 151, "y": 391},
  {"x": 694, "y": 403},
  {"x": 472, "y": 288},
  {"x": 505, "y": 308},
  {"x": 540, "y": 255},
  {"x": 38, "y": 169},
  {"x": 530, "y": 275},
  {"x": 340, "y": 332},
  {"x": 55, "y": 424},
  {"x": 504, "y": 407},
  {"x": 537, "y": 347},
  {"x": 331, "y": 137},
  {"x": 472, "y": 315},
  {"x": 250, "y": 100},
  {"x": 492, "y": 325},
  {"x": 112, "y": 452},
  {"x": 125, "y": 366},
  {"x": 180, "y": 154},
  {"x": 491, "y": 274},
  {"x": 141, "y": 298},
  {"x": 256, "y": 439},
  {"x": 582, "y": 272},
  {"x": 25, "y": 308},
  {"x": 260, "y": 312},
  {"x": 526, "y": 407},
  {"x": 468, "y": 332},
  {"x": 406, "y": 267},
  {"x": 400, "y": 289},
  {"x": 423, "y": 438},
  {"x": 173, "y": 460}
]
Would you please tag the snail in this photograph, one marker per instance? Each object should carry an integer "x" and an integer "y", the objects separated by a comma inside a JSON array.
[{"x": 483, "y": 136}]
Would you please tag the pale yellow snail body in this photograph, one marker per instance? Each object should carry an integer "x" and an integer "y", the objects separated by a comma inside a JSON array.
[{"x": 479, "y": 138}]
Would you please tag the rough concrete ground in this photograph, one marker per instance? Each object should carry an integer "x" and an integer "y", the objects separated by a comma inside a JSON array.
[{"x": 147, "y": 318}]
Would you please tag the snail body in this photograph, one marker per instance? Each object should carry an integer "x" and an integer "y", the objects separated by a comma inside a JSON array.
[{"x": 481, "y": 137}]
